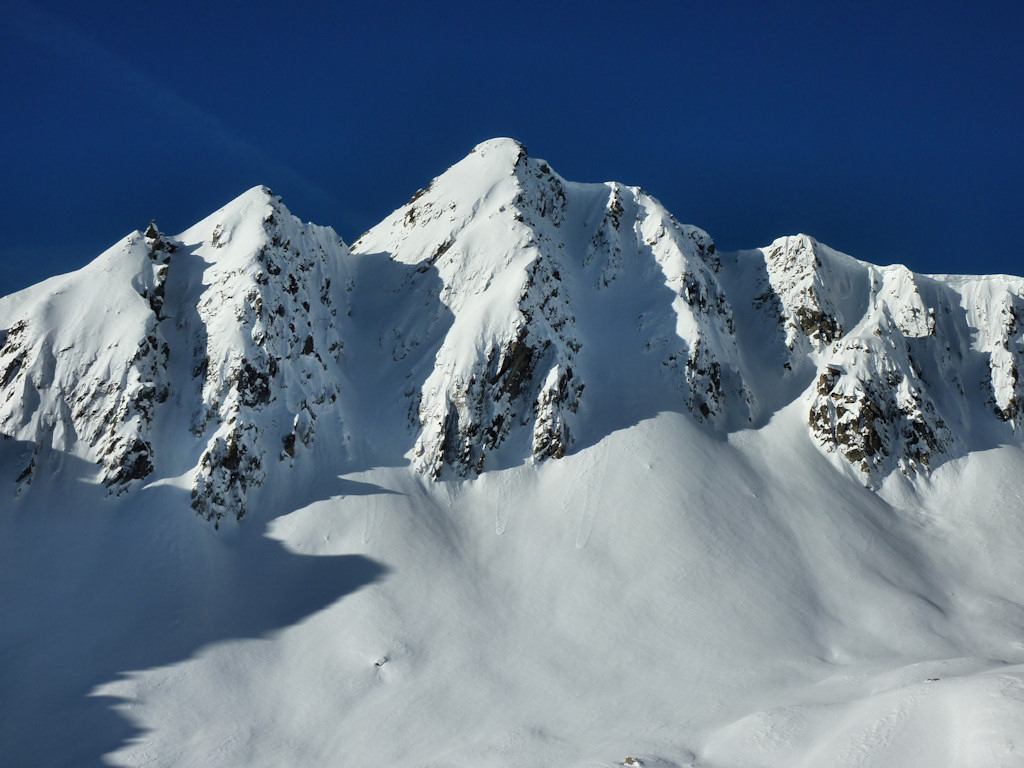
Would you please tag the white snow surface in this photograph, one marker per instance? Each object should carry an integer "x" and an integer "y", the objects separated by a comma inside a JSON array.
[{"x": 530, "y": 476}]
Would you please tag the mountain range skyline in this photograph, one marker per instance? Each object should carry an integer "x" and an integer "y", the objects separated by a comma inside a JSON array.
[
  {"x": 881, "y": 130},
  {"x": 909, "y": 371}
]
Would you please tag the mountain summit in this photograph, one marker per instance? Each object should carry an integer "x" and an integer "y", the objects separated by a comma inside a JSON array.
[
  {"x": 531, "y": 474},
  {"x": 211, "y": 353}
]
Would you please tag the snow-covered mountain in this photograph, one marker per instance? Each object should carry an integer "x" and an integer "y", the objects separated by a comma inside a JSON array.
[
  {"x": 525, "y": 291},
  {"x": 213, "y": 353},
  {"x": 760, "y": 497}
]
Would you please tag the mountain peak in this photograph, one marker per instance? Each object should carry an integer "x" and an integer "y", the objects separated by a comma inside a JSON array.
[
  {"x": 226, "y": 334},
  {"x": 501, "y": 146},
  {"x": 242, "y": 220}
]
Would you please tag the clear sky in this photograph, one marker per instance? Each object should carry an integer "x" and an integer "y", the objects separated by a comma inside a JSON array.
[{"x": 891, "y": 131}]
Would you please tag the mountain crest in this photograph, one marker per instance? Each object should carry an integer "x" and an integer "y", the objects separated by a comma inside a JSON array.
[
  {"x": 270, "y": 364},
  {"x": 502, "y": 231},
  {"x": 248, "y": 296},
  {"x": 515, "y": 310},
  {"x": 91, "y": 394}
]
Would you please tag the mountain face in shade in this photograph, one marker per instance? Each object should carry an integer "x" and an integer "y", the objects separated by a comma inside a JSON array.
[{"x": 529, "y": 474}]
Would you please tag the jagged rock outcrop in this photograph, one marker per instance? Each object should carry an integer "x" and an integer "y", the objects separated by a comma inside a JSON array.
[
  {"x": 88, "y": 385},
  {"x": 876, "y": 413},
  {"x": 508, "y": 362},
  {"x": 803, "y": 293},
  {"x": 871, "y": 402},
  {"x": 1007, "y": 358},
  {"x": 997, "y": 312},
  {"x": 502, "y": 231},
  {"x": 273, "y": 344}
]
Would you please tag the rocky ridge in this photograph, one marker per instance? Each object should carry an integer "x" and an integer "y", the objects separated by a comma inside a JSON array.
[
  {"x": 903, "y": 360},
  {"x": 503, "y": 232},
  {"x": 246, "y": 301},
  {"x": 273, "y": 344},
  {"x": 89, "y": 385},
  {"x": 508, "y": 360},
  {"x": 510, "y": 287}
]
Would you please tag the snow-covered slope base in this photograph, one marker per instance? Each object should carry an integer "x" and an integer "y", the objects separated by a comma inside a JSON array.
[
  {"x": 663, "y": 595},
  {"x": 531, "y": 476}
]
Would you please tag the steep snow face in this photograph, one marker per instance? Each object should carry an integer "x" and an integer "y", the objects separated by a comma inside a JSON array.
[
  {"x": 808, "y": 297},
  {"x": 896, "y": 355},
  {"x": 702, "y": 354},
  {"x": 247, "y": 297},
  {"x": 267, "y": 343},
  {"x": 83, "y": 365},
  {"x": 520, "y": 254},
  {"x": 996, "y": 308}
]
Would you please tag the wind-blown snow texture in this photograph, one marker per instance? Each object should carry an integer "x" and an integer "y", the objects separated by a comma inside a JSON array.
[{"x": 691, "y": 507}]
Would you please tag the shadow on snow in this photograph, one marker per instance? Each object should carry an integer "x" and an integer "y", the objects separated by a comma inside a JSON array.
[{"x": 91, "y": 589}]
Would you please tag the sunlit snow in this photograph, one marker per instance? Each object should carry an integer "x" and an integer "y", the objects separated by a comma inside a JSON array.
[{"x": 531, "y": 475}]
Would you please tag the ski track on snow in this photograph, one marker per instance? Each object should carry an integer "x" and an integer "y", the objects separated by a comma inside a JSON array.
[
  {"x": 370, "y": 519},
  {"x": 590, "y": 493},
  {"x": 502, "y": 509}
]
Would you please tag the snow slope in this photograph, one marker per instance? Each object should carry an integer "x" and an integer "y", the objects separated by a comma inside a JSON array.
[{"x": 531, "y": 475}]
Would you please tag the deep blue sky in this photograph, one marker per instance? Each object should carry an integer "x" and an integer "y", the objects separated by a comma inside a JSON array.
[{"x": 890, "y": 131}]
